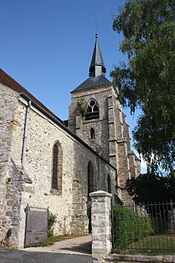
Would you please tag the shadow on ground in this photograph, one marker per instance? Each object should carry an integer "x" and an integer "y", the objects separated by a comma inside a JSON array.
[
  {"x": 18, "y": 256},
  {"x": 83, "y": 248}
]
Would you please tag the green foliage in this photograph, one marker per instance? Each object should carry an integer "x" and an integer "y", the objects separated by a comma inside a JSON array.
[
  {"x": 160, "y": 224},
  {"x": 129, "y": 227},
  {"x": 147, "y": 80},
  {"x": 151, "y": 188},
  {"x": 159, "y": 244},
  {"x": 9, "y": 233},
  {"x": 82, "y": 106},
  {"x": 51, "y": 221}
]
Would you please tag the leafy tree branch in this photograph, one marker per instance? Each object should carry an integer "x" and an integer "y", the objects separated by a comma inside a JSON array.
[{"x": 147, "y": 80}]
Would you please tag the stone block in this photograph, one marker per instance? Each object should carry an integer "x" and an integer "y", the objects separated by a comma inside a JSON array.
[{"x": 10, "y": 213}]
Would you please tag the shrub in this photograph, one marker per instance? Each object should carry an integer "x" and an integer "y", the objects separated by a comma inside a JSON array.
[
  {"x": 51, "y": 221},
  {"x": 129, "y": 227},
  {"x": 82, "y": 106},
  {"x": 160, "y": 224}
]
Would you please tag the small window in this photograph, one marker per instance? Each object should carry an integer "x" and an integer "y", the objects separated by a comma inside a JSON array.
[
  {"x": 92, "y": 110},
  {"x": 92, "y": 132},
  {"x": 56, "y": 183}
]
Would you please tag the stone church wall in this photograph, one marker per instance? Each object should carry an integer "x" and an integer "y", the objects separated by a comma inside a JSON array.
[
  {"x": 31, "y": 184},
  {"x": 8, "y": 105}
]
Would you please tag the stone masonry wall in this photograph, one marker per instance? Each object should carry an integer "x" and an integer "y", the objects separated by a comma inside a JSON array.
[
  {"x": 71, "y": 206},
  {"x": 101, "y": 224},
  {"x": 14, "y": 187},
  {"x": 8, "y": 104},
  {"x": 120, "y": 146}
]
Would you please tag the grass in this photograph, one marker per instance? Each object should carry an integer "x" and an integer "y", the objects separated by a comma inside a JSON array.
[
  {"x": 52, "y": 239},
  {"x": 155, "y": 244}
]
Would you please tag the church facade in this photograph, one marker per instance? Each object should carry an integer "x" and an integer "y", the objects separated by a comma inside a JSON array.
[{"x": 48, "y": 163}]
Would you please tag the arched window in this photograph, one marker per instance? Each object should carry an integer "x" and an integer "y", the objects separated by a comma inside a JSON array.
[
  {"x": 92, "y": 110},
  {"x": 90, "y": 178},
  {"x": 56, "y": 183},
  {"x": 92, "y": 133},
  {"x": 55, "y": 167},
  {"x": 109, "y": 183}
]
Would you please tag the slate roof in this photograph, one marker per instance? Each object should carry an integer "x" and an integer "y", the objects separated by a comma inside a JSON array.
[
  {"x": 93, "y": 82},
  {"x": 97, "y": 58}
]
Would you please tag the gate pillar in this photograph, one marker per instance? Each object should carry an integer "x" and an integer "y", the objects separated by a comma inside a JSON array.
[{"x": 101, "y": 223}]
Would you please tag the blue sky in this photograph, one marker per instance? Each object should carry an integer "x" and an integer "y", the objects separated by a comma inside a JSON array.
[{"x": 47, "y": 45}]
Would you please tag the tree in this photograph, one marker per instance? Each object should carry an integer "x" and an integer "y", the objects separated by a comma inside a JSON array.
[
  {"x": 147, "y": 79},
  {"x": 151, "y": 188}
]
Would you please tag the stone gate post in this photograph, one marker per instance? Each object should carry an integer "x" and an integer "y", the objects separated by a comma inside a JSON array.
[{"x": 101, "y": 223}]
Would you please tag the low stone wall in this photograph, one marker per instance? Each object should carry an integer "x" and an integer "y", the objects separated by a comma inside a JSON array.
[{"x": 130, "y": 258}]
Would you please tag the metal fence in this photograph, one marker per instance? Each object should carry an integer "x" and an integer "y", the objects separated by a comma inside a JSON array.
[{"x": 145, "y": 228}]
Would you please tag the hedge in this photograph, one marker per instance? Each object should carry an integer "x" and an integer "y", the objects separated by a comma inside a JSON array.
[{"x": 129, "y": 227}]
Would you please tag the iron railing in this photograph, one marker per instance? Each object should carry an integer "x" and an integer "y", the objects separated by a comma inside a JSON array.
[{"x": 144, "y": 228}]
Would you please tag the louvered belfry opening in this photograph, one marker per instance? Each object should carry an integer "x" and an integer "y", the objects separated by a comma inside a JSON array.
[{"x": 92, "y": 110}]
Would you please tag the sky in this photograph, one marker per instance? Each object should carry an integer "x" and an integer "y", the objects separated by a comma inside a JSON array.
[{"x": 47, "y": 45}]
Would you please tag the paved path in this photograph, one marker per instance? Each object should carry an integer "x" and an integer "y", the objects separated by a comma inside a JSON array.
[
  {"x": 79, "y": 245},
  {"x": 77, "y": 250}
]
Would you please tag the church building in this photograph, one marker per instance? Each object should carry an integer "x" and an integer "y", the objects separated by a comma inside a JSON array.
[{"x": 47, "y": 164}]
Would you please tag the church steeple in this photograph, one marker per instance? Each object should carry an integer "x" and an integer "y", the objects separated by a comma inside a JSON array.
[
  {"x": 96, "y": 71},
  {"x": 97, "y": 66}
]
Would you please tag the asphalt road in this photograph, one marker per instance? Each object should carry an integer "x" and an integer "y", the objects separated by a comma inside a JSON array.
[{"x": 20, "y": 256}]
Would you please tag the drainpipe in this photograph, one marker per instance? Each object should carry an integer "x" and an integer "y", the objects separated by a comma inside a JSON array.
[{"x": 23, "y": 157}]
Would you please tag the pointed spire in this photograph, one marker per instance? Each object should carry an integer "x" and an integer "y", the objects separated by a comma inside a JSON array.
[{"x": 97, "y": 66}]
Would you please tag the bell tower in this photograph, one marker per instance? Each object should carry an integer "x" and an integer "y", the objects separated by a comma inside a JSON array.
[
  {"x": 88, "y": 111},
  {"x": 96, "y": 116}
]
